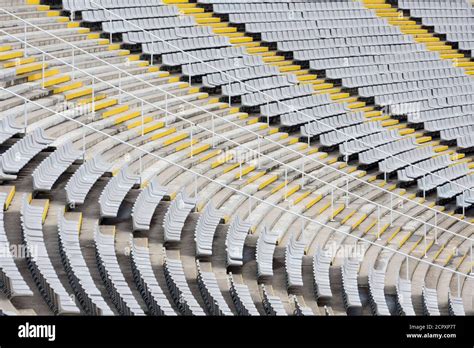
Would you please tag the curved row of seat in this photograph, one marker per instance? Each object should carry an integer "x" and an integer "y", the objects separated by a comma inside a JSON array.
[
  {"x": 172, "y": 139},
  {"x": 242, "y": 298},
  {"x": 211, "y": 293},
  {"x": 235, "y": 240},
  {"x": 321, "y": 269},
  {"x": 350, "y": 290},
  {"x": 205, "y": 229},
  {"x": 179, "y": 288},
  {"x": 145, "y": 205},
  {"x": 11, "y": 279},
  {"x": 272, "y": 304},
  {"x": 377, "y": 292},
  {"x": 113, "y": 194},
  {"x": 176, "y": 215},
  {"x": 404, "y": 302},
  {"x": 112, "y": 276},
  {"x": 18, "y": 155},
  {"x": 266, "y": 245},
  {"x": 48, "y": 172},
  {"x": 294, "y": 253}
]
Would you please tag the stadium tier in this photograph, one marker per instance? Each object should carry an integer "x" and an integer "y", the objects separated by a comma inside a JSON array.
[{"x": 236, "y": 157}]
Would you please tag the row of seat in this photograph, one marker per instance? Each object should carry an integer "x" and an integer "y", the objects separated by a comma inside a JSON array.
[
  {"x": 282, "y": 6},
  {"x": 18, "y": 155},
  {"x": 437, "y": 178},
  {"x": 81, "y": 5},
  {"x": 153, "y": 11},
  {"x": 51, "y": 168},
  {"x": 327, "y": 124},
  {"x": 430, "y": 301},
  {"x": 434, "y": 4},
  {"x": 135, "y": 37},
  {"x": 118, "y": 26},
  {"x": 321, "y": 269},
  {"x": 251, "y": 17},
  {"x": 214, "y": 80},
  {"x": 235, "y": 240},
  {"x": 223, "y": 64},
  {"x": 313, "y": 55},
  {"x": 370, "y": 60},
  {"x": 341, "y": 73},
  {"x": 76, "y": 268},
  {"x": 301, "y": 24},
  {"x": 111, "y": 274},
  {"x": 404, "y": 302},
  {"x": 145, "y": 279},
  {"x": 272, "y": 304},
  {"x": 211, "y": 293},
  {"x": 179, "y": 288},
  {"x": 145, "y": 205},
  {"x": 402, "y": 163},
  {"x": 242, "y": 298},
  {"x": 294, "y": 253},
  {"x": 378, "y": 302},
  {"x": 424, "y": 94},
  {"x": 237, "y": 89},
  {"x": 455, "y": 305},
  {"x": 11, "y": 279},
  {"x": 81, "y": 182},
  {"x": 206, "y": 226},
  {"x": 113, "y": 194},
  {"x": 39, "y": 262},
  {"x": 414, "y": 85},
  {"x": 292, "y": 106},
  {"x": 425, "y": 164},
  {"x": 358, "y": 146},
  {"x": 394, "y": 148},
  {"x": 456, "y": 187},
  {"x": 176, "y": 215},
  {"x": 171, "y": 46},
  {"x": 350, "y": 290},
  {"x": 8, "y": 128},
  {"x": 207, "y": 55}
]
